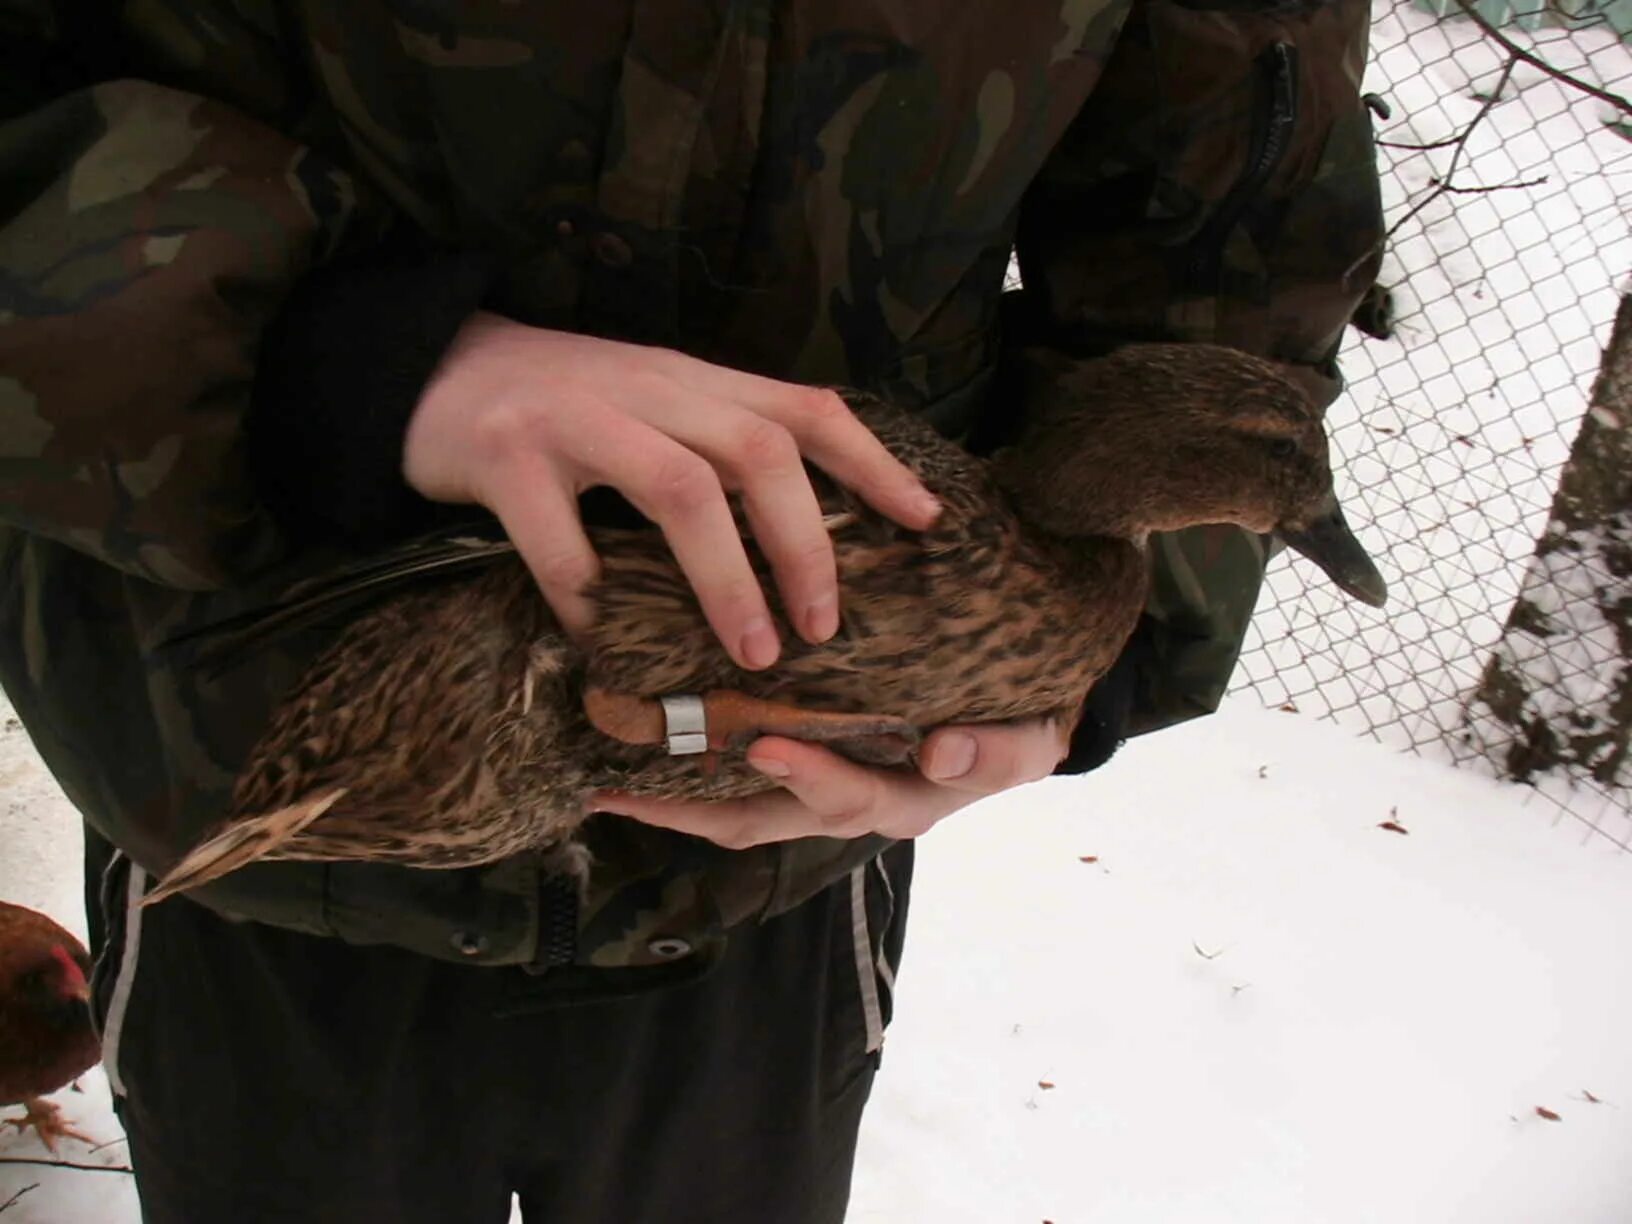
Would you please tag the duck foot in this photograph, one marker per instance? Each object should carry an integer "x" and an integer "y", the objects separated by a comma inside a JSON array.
[
  {"x": 45, "y": 1120},
  {"x": 734, "y": 720}
]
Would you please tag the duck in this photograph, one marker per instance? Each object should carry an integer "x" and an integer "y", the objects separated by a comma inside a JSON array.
[{"x": 455, "y": 724}]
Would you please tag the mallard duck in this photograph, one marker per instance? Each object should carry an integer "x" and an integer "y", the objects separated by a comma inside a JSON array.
[{"x": 456, "y": 725}]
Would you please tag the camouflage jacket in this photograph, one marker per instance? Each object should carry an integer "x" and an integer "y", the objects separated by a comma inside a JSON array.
[{"x": 826, "y": 192}]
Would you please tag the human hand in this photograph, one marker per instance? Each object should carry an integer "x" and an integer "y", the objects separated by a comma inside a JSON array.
[
  {"x": 523, "y": 419},
  {"x": 825, "y": 795}
]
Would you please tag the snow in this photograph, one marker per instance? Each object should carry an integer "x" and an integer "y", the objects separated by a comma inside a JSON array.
[{"x": 1257, "y": 1005}]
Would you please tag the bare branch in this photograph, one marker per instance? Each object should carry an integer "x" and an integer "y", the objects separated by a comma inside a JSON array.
[
  {"x": 64, "y": 1164},
  {"x": 1417, "y": 148},
  {"x": 5, "y": 1206},
  {"x": 1489, "y": 104},
  {"x": 1449, "y": 190},
  {"x": 1535, "y": 61},
  {"x": 1440, "y": 183}
]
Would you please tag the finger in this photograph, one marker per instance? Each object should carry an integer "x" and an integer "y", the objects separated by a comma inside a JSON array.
[
  {"x": 828, "y": 432},
  {"x": 761, "y": 458},
  {"x": 679, "y": 491},
  {"x": 832, "y": 437},
  {"x": 851, "y": 800},
  {"x": 540, "y": 514},
  {"x": 987, "y": 759}
]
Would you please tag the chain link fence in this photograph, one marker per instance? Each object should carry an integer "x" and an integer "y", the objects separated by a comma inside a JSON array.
[{"x": 1508, "y": 187}]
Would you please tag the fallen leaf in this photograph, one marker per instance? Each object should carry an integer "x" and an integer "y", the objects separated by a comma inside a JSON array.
[
  {"x": 1394, "y": 826},
  {"x": 1087, "y": 858},
  {"x": 1590, "y": 1099},
  {"x": 1543, "y": 1112},
  {"x": 1045, "y": 1085},
  {"x": 1289, "y": 708}
]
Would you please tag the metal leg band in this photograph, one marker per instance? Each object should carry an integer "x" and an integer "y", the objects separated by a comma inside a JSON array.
[{"x": 686, "y": 724}]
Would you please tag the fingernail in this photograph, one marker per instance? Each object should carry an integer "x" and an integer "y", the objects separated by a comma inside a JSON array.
[
  {"x": 928, "y": 505},
  {"x": 822, "y": 617},
  {"x": 953, "y": 756},
  {"x": 771, "y": 767},
  {"x": 759, "y": 644}
]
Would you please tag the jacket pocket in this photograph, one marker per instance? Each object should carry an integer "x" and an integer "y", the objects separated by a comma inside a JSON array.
[{"x": 1267, "y": 170}]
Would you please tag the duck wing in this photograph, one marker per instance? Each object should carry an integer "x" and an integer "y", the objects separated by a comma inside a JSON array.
[{"x": 908, "y": 601}]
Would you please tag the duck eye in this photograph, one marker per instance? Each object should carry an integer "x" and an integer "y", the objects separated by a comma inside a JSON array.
[{"x": 1283, "y": 448}]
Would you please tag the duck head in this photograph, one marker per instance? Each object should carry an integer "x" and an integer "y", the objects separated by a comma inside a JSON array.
[{"x": 1157, "y": 437}]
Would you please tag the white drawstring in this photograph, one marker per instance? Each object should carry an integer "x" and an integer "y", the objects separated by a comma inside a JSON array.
[
  {"x": 120, "y": 1001},
  {"x": 872, "y": 1015}
]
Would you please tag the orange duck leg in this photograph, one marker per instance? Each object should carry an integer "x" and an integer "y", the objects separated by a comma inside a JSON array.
[{"x": 734, "y": 720}]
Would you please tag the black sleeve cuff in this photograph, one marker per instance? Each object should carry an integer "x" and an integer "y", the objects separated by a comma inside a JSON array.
[
  {"x": 1106, "y": 712},
  {"x": 340, "y": 371}
]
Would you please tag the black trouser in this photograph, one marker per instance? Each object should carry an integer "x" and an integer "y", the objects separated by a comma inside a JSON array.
[{"x": 273, "y": 1076}]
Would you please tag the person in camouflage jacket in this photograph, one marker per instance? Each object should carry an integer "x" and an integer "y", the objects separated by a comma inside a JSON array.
[{"x": 237, "y": 239}]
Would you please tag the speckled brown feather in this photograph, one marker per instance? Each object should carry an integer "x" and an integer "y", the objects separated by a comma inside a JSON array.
[{"x": 451, "y": 717}]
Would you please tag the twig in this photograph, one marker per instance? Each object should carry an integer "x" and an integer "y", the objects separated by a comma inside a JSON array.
[
  {"x": 1495, "y": 97},
  {"x": 5, "y": 1206},
  {"x": 1441, "y": 183},
  {"x": 1417, "y": 148},
  {"x": 1535, "y": 61},
  {"x": 64, "y": 1164},
  {"x": 1449, "y": 190}
]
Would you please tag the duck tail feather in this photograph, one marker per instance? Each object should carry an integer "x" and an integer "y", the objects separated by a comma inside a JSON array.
[{"x": 242, "y": 842}]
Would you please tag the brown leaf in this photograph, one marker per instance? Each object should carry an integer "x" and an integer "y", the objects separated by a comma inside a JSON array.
[
  {"x": 1045, "y": 1085},
  {"x": 1394, "y": 826},
  {"x": 1590, "y": 1099},
  {"x": 1543, "y": 1112},
  {"x": 1289, "y": 708},
  {"x": 1087, "y": 858}
]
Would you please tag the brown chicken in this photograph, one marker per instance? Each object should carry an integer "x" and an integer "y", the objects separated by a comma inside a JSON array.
[{"x": 46, "y": 1038}]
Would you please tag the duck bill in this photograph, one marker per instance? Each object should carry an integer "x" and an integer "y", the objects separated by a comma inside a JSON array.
[{"x": 1327, "y": 541}]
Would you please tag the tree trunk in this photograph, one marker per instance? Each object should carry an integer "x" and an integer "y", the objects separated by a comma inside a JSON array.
[{"x": 1557, "y": 693}]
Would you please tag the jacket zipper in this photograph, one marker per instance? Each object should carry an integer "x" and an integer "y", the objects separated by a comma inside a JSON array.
[{"x": 1275, "y": 112}]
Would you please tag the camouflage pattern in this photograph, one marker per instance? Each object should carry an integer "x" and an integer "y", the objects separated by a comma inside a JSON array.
[{"x": 823, "y": 192}]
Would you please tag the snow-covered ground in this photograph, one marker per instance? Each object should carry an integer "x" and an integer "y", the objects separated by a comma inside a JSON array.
[{"x": 1255, "y": 1005}]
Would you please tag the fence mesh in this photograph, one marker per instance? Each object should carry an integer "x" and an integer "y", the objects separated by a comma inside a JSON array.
[{"x": 1509, "y": 187}]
